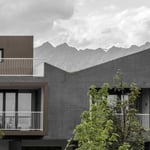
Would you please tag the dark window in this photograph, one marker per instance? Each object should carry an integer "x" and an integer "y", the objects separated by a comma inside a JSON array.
[
  {"x": 1, "y": 54},
  {"x": 17, "y": 107},
  {"x": 115, "y": 97},
  {"x": 146, "y": 146}
]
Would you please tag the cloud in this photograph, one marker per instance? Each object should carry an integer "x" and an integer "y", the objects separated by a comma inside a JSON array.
[
  {"x": 32, "y": 16},
  {"x": 110, "y": 7},
  {"x": 134, "y": 23},
  {"x": 80, "y": 23},
  {"x": 33, "y": 9},
  {"x": 101, "y": 29}
]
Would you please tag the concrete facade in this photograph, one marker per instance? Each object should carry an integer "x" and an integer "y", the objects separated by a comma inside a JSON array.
[{"x": 67, "y": 97}]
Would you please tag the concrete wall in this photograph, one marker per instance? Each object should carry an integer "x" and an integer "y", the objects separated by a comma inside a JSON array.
[
  {"x": 135, "y": 68},
  {"x": 4, "y": 145},
  {"x": 68, "y": 91}
]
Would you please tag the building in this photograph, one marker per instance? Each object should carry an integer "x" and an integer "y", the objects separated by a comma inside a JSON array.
[{"x": 40, "y": 104}]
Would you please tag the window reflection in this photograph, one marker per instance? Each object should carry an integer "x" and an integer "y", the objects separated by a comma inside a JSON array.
[
  {"x": 10, "y": 109},
  {"x": 24, "y": 104}
]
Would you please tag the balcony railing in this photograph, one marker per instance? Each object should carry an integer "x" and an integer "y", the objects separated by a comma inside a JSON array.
[
  {"x": 21, "y": 67},
  {"x": 144, "y": 119},
  {"x": 21, "y": 120}
]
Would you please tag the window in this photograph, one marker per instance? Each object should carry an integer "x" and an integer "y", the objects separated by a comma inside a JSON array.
[
  {"x": 114, "y": 97},
  {"x": 1, "y": 54},
  {"x": 10, "y": 98},
  {"x": 20, "y": 109},
  {"x": 112, "y": 100},
  {"x": 24, "y": 106}
]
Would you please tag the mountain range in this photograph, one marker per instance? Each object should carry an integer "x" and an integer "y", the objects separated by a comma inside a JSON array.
[{"x": 70, "y": 59}]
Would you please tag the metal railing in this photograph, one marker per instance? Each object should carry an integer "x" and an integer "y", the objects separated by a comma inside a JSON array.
[
  {"x": 144, "y": 119},
  {"x": 21, "y": 120},
  {"x": 21, "y": 67}
]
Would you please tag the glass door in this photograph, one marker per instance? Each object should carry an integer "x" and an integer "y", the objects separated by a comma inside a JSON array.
[
  {"x": 24, "y": 109},
  {"x": 10, "y": 108}
]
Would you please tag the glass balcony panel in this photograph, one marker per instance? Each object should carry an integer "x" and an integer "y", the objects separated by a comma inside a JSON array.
[
  {"x": 24, "y": 121},
  {"x": 10, "y": 120},
  {"x": 144, "y": 119}
]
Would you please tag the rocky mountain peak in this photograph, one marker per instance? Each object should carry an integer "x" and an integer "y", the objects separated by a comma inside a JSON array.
[{"x": 70, "y": 59}]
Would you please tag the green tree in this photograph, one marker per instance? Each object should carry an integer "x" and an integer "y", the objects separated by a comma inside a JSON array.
[
  {"x": 128, "y": 126},
  {"x": 1, "y": 134},
  {"x": 96, "y": 129},
  {"x": 105, "y": 127}
]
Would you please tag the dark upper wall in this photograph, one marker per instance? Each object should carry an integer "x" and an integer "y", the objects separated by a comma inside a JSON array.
[
  {"x": 135, "y": 68},
  {"x": 17, "y": 46}
]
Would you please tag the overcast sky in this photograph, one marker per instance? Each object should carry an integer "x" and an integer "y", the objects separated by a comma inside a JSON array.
[{"x": 80, "y": 23}]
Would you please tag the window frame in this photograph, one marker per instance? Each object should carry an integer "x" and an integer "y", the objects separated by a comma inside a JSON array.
[
  {"x": 16, "y": 92},
  {"x": 30, "y": 85}
]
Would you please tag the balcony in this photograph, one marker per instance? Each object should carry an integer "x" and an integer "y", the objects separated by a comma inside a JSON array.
[
  {"x": 21, "y": 121},
  {"x": 144, "y": 120},
  {"x": 21, "y": 67}
]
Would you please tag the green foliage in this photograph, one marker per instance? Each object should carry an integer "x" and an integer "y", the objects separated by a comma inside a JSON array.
[
  {"x": 1, "y": 134},
  {"x": 124, "y": 146},
  {"x": 129, "y": 128},
  {"x": 95, "y": 132},
  {"x": 110, "y": 128}
]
